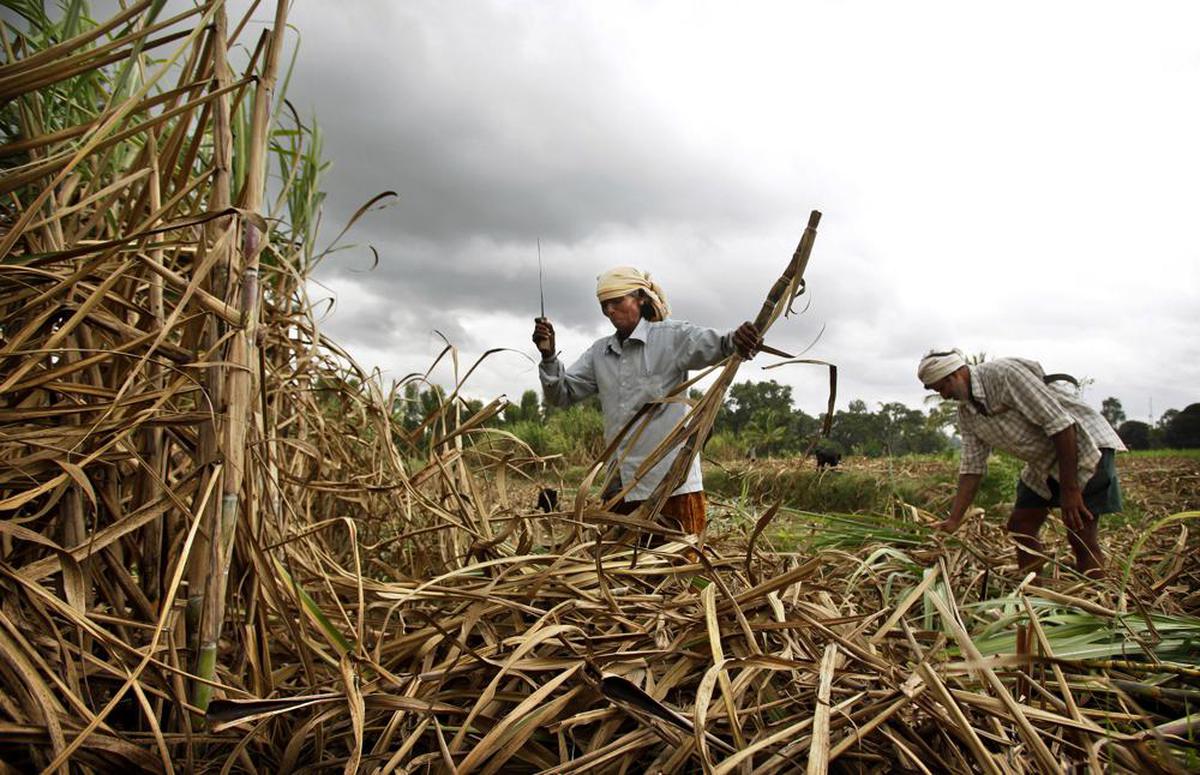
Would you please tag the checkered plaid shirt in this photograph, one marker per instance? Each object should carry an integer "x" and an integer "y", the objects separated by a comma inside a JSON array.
[{"x": 1012, "y": 409}]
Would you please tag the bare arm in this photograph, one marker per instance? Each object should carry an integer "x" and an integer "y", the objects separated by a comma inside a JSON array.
[
  {"x": 1074, "y": 512},
  {"x": 968, "y": 485},
  {"x": 971, "y": 468}
]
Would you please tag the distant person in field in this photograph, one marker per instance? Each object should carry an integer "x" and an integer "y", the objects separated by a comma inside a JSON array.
[
  {"x": 645, "y": 357},
  {"x": 1067, "y": 447}
]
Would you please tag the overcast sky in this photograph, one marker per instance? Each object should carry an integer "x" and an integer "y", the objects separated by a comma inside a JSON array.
[{"x": 1015, "y": 179}]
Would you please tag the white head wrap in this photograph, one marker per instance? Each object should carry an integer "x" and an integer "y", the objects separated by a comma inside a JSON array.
[
  {"x": 937, "y": 365},
  {"x": 622, "y": 280}
]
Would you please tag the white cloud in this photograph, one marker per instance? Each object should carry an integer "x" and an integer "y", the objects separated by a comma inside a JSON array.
[{"x": 1017, "y": 179}]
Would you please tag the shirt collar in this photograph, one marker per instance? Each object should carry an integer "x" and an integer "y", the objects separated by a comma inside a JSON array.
[{"x": 638, "y": 333}]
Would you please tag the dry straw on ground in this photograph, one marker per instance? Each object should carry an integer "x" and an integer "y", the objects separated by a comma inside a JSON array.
[{"x": 220, "y": 551}]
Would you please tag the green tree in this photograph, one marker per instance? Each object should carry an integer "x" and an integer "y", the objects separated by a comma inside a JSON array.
[
  {"x": 907, "y": 431},
  {"x": 577, "y": 432},
  {"x": 857, "y": 430},
  {"x": 746, "y": 399},
  {"x": 802, "y": 427},
  {"x": 1135, "y": 434},
  {"x": 1159, "y": 431},
  {"x": 410, "y": 406},
  {"x": 943, "y": 416},
  {"x": 1183, "y": 429},
  {"x": 894, "y": 430},
  {"x": 529, "y": 410},
  {"x": 471, "y": 407},
  {"x": 767, "y": 432},
  {"x": 432, "y": 399},
  {"x": 1112, "y": 411}
]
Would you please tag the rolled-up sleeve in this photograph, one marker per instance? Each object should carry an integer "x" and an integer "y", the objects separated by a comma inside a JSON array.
[
  {"x": 1030, "y": 396},
  {"x": 975, "y": 452},
  {"x": 698, "y": 346},
  {"x": 563, "y": 387}
]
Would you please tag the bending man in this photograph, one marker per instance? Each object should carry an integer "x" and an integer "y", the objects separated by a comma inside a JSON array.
[
  {"x": 1068, "y": 449},
  {"x": 641, "y": 361}
]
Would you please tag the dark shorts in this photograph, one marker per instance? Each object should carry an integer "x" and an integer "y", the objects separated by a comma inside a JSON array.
[{"x": 1101, "y": 494}]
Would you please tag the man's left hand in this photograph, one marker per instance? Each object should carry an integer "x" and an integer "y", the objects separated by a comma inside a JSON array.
[
  {"x": 747, "y": 340},
  {"x": 1074, "y": 512}
]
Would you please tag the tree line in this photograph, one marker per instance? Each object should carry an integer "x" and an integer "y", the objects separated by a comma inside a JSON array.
[
  {"x": 1175, "y": 429},
  {"x": 760, "y": 419},
  {"x": 757, "y": 419}
]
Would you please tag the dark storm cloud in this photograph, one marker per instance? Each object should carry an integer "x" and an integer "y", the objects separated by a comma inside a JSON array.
[
  {"x": 496, "y": 129},
  {"x": 433, "y": 280},
  {"x": 490, "y": 125},
  {"x": 947, "y": 223},
  {"x": 380, "y": 318}
]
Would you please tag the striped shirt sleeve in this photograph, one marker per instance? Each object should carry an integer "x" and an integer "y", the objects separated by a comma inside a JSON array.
[{"x": 975, "y": 451}]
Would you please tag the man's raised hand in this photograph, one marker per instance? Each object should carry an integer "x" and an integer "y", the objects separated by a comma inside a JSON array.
[
  {"x": 543, "y": 336},
  {"x": 747, "y": 340}
]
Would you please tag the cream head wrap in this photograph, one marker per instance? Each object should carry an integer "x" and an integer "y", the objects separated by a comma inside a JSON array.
[
  {"x": 622, "y": 280},
  {"x": 937, "y": 365}
]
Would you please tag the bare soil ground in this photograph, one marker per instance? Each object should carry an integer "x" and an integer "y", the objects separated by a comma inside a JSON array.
[{"x": 1161, "y": 485}]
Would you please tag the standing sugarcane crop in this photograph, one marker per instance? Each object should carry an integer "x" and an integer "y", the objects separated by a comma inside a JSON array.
[
  {"x": 1010, "y": 404},
  {"x": 646, "y": 356}
]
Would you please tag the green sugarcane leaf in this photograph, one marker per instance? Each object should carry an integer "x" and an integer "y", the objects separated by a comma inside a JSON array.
[{"x": 336, "y": 639}]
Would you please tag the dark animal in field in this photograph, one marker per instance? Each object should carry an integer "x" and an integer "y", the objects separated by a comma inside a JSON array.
[
  {"x": 547, "y": 500},
  {"x": 827, "y": 458}
]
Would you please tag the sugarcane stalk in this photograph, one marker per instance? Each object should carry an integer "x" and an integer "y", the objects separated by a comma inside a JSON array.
[
  {"x": 205, "y": 558},
  {"x": 240, "y": 377},
  {"x": 150, "y": 482},
  {"x": 697, "y": 424}
]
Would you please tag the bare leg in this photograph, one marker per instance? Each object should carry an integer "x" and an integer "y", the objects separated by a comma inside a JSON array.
[
  {"x": 1025, "y": 524},
  {"x": 1089, "y": 556}
]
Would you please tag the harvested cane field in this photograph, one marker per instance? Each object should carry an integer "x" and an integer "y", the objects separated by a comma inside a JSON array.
[{"x": 221, "y": 552}]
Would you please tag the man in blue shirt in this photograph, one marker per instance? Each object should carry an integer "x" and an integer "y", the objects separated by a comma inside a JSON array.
[{"x": 642, "y": 361}]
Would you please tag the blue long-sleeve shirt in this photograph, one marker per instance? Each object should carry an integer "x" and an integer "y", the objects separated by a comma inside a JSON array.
[{"x": 655, "y": 358}]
